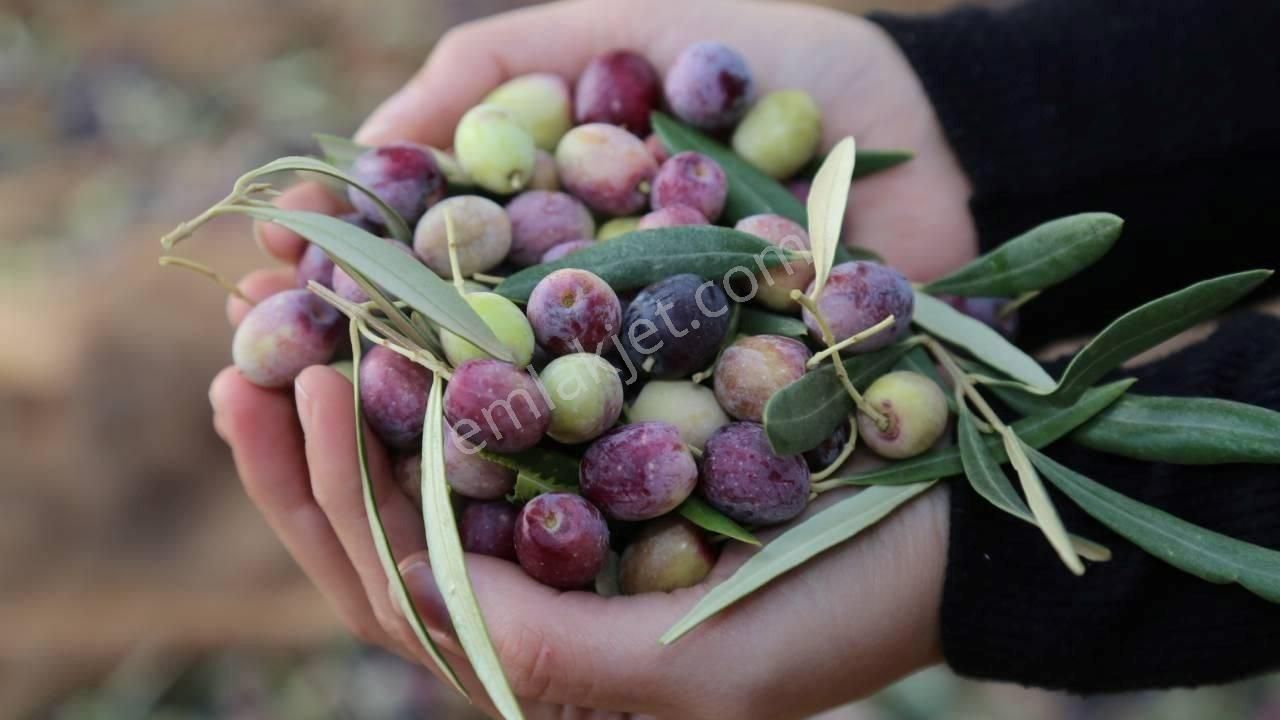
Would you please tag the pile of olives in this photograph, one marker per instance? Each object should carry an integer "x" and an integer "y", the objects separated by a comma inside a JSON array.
[{"x": 606, "y": 377}]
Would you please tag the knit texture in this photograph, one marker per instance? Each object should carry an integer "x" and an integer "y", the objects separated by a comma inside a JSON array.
[
  {"x": 1163, "y": 112},
  {"x": 1012, "y": 611}
]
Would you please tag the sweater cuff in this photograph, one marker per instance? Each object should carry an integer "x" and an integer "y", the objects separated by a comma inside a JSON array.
[{"x": 1011, "y": 611}]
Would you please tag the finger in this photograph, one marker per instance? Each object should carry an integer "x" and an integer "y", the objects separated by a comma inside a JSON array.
[
  {"x": 325, "y": 409},
  {"x": 266, "y": 442},
  {"x": 571, "y": 648},
  {"x": 284, "y": 244},
  {"x": 258, "y": 286},
  {"x": 472, "y": 59}
]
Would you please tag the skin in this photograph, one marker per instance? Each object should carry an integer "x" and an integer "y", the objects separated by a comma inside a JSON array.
[{"x": 570, "y": 653}]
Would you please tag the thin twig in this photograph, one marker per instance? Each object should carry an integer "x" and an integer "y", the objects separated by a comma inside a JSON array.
[
  {"x": 876, "y": 416},
  {"x": 205, "y": 270}
]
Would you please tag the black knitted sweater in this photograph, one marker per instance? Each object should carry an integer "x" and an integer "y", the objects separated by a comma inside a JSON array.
[{"x": 1167, "y": 113}]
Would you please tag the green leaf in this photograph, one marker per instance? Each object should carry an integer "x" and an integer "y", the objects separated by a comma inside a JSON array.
[
  {"x": 383, "y": 264},
  {"x": 917, "y": 360},
  {"x": 822, "y": 531},
  {"x": 448, "y": 566},
  {"x": 946, "y": 323},
  {"x": 1037, "y": 432},
  {"x": 1178, "y": 430},
  {"x": 1191, "y": 548},
  {"x": 338, "y": 151},
  {"x": 396, "y": 225},
  {"x": 1043, "y": 256},
  {"x": 643, "y": 257},
  {"x": 380, "y": 541},
  {"x": 803, "y": 414},
  {"x": 751, "y": 192},
  {"x": 1149, "y": 325},
  {"x": 754, "y": 321},
  {"x": 698, "y": 512},
  {"x": 342, "y": 153},
  {"x": 1042, "y": 507},
  {"x": 555, "y": 470},
  {"x": 871, "y": 162},
  {"x": 989, "y": 481},
  {"x": 828, "y": 199}
]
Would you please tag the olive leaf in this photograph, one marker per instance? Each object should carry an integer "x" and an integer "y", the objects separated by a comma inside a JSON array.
[
  {"x": 380, "y": 541},
  {"x": 396, "y": 225},
  {"x": 338, "y": 151},
  {"x": 828, "y": 199},
  {"x": 1036, "y": 431},
  {"x": 389, "y": 308},
  {"x": 751, "y": 192},
  {"x": 869, "y": 162},
  {"x": 698, "y": 512},
  {"x": 342, "y": 153},
  {"x": 1041, "y": 504},
  {"x": 1147, "y": 326},
  {"x": 448, "y": 566},
  {"x": 1178, "y": 430},
  {"x": 946, "y": 323},
  {"x": 803, "y": 414},
  {"x": 538, "y": 470},
  {"x": 989, "y": 481},
  {"x": 754, "y": 321},
  {"x": 1043, "y": 256},
  {"x": 1191, "y": 548},
  {"x": 824, "y": 530},
  {"x": 643, "y": 257},
  {"x": 373, "y": 258}
]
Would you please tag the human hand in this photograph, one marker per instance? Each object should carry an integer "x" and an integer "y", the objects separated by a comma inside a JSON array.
[
  {"x": 839, "y": 628},
  {"x": 845, "y": 625},
  {"x": 915, "y": 216}
]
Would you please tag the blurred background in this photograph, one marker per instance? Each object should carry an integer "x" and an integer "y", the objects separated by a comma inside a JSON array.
[{"x": 136, "y": 580}]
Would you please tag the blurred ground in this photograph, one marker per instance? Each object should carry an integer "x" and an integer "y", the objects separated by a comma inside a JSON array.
[{"x": 135, "y": 578}]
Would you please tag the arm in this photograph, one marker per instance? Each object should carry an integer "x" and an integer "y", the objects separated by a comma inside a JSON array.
[
  {"x": 1162, "y": 112},
  {"x": 1011, "y": 611}
]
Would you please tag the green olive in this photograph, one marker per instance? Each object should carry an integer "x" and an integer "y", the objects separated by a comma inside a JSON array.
[
  {"x": 781, "y": 133},
  {"x": 495, "y": 149},
  {"x": 506, "y": 321}
]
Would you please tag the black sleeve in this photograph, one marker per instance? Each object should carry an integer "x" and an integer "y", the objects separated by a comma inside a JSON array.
[
  {"x": 1012, "y": 611},
  {"x": 1165, "y": 112}
]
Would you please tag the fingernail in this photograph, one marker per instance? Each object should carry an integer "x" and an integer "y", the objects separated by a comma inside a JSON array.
[
  {"x": 426, "y": 596},
  {"x": 214, "y": 401},
  {"x": 303, "y": 402}
]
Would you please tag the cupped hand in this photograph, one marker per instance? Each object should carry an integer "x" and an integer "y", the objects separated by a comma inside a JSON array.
[{"x": 841, "y": 627}]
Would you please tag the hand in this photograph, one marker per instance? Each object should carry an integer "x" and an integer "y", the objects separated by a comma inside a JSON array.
[
  {"x": 845, "y": 625},
  {"x": 915, "y": 216},
  {"x": 839, "y": 628}
]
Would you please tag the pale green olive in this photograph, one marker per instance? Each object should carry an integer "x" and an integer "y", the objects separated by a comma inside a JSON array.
[
  {"x": 780, "y": 134},
  {"x": 915, "y": 409},
  {"x": 540, "y": 101},
  {"x": 495, "y": 149},
  {"x": 506, "y": 321},
  {"x": 585, "y": 395}
]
